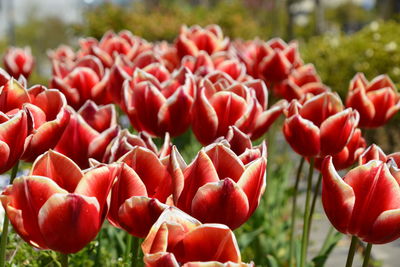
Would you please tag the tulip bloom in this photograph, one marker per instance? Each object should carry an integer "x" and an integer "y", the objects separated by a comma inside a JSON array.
[
  {"x": 320, "y": 126},
  {"x": 47, "y": 112},
  {"x": 217, "y": 187},
  {"x": 142, "y": 186},
  {"x": 19, "y": 61},
  {"x": 158, "y": 107},
  {"x": 56, "y": 206},
  {"x": 225, "y": 103},
  {"x": 176, "y": 239},
  {"x": 88, "y": 133},
  {"x": 203, "y": 64},
  {"x": 83, "y": 80},
  {"x": 376, "y": 101},
  {"x": 374, "y": 152},
  {"x": 365, "y": 203},
  {"x": 124, "y": 142},
  {"x": 301, "y": 81},
  {"x": 195, "y": 39}
]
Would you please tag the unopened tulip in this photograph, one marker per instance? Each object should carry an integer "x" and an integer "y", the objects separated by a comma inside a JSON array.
[
  {"x": 320, "y": 126},
  {"x": 365, "y": 202},
  {"x": 19, "y": 61},
  {"x": 176, "y": 239},
  {"x": 56, "y": 206},
  {"x": 217, "y": 187},
  {"x": 377, "y": 101}
]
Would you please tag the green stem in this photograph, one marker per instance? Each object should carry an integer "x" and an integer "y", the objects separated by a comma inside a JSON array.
[
  {"x": 352, "y": 251},
  {"x": 367, "y": 255},
  {"x": 306, "y": 216},
  {"x": 6, "y": 222},
  {"x": 328, "y": 237},
  {"x": 64, "y": 260},
  {"x": 128, "y": 247},
  {"x": 293, "y": 215},
  {"x": 98, "y": 252},
  {"x": 313, "y": 202},
  {"x": 135, "y": 251}
]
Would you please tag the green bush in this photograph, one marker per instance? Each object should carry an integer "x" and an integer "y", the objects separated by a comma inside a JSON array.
[{"x": 374, "y": 50}]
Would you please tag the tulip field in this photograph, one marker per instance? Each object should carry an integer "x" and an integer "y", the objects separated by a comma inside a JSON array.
[{"x": 207, "y": 151}]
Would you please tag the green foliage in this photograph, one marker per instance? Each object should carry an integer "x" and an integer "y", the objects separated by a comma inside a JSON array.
[
  {"x": 374, "y": 50},
  {"x": 163, "y": 22}
]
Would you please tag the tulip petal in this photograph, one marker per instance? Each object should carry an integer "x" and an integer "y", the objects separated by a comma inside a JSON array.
[
  {"x": 68, "y": 222},
  {"x": 59, "y": 168},
  {"x": 205, "y": 119},
  {"x": 160, "y": 259},
  {"x": 302, "y": 135},
  {"x": 221, "y": 157},
  {"x": 253, "y": 182},
  {"x": 386, "y": 228},
  {"x": 200, "y": 172},
  {"x": 338, "y": 197},
  {"x": 138, "y": 213},
  {"x": 208, "y": 242},
  {"x": 24, "y": 199},
  {"x": 151, "y": 171},
  {"x": 267, "y": 118},
  {"x": 221, "y": 202}
]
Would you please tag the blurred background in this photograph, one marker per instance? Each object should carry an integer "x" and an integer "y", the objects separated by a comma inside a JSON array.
[{"x": 341, "y": 37}]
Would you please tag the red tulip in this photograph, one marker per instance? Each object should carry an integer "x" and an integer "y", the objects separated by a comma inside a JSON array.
[
  {"x": 56, "y": 206},
  {"x": 225, "y": 103},
  {"x": 376, "y": 101},
  {"x": 124, "y": 142},
  {"x": 177, "y": 239},
  {"x": 142, "y": 186},
  {"x": 195, "y": 39},
  {"x": 348, "y": 155},
  {"x": 217, "y": 187},
  {"x": 13, "y": 132},
  {"x": 374, "y": 152},
  {"x": 47, "y": 112},
  {"x": 63, "y": 53},
  {"x": 88, "y": 133},
  {"x": 203, "y": 64},
  {"x": 81, "y": 81},
  {"x": 365, "y": 203},
  {"x": 19, "y": 61},
  {"x": 159, "y": 107},
  {"x": 112, "y": 45},
  {"x": 320, "y": 126},
  {"x": 301, "y": 81},
  {"x": 272, "y": 61}
]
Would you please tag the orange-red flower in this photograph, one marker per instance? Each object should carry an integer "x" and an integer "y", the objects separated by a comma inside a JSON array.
[
  {"x": 57, "y": 206},
  {"x": 192, "y": 40},
  {"x": 365, "y": 203},
  {"x": 157, "y": 107},
  {"x": 217, "y": 187},
  {"x": 225, "y": 103},
  {"x": 176, "y": 239},
  {"x": 320, "y": 126},
  {"x": 377, "y": 101},
  {"x": 88, "y": 133}
]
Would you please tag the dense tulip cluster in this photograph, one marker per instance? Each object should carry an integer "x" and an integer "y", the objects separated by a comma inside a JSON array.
[{"x": 87, "y": 168}]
